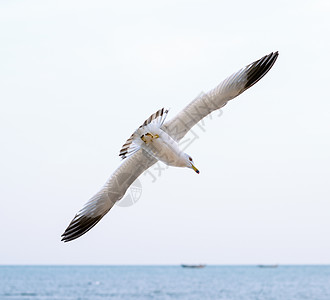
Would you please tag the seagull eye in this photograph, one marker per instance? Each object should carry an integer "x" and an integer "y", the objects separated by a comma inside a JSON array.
[{"x": 190, "y": 158}]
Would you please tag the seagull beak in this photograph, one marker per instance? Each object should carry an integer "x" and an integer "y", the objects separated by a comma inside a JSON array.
[{"x": 194, "y": 168}]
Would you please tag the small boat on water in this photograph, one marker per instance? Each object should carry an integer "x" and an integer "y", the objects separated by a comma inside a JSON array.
[
  {"x": 267, "y": 266},
  {"x": 193, "y": 266}
]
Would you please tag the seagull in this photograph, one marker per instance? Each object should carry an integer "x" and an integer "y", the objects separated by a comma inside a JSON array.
[{"x": 157, "y": 140}]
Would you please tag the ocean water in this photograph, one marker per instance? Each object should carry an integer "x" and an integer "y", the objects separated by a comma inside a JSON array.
[{"x": 164, "y": 282}]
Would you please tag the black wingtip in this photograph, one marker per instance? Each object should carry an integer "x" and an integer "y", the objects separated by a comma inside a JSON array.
[
  {"x": 259, "y": 69},
  {"x": 78, "y": 227}
]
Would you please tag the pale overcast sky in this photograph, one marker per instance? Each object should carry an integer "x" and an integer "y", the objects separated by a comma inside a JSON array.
[{"x": 78, "y": 77}]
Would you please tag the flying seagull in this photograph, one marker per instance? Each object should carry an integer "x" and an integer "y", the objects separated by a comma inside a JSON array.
[{"x": 157, "y": 140}]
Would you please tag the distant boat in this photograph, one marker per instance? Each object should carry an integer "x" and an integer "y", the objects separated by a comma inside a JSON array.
[
  {"x": 193, "y": 266},
  {"x": 267, "y": 266}
]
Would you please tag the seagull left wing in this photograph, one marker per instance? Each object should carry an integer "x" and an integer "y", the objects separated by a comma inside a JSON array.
[
  {"x": 114, "y": 189},
  {"x": 228, "y": 89}
]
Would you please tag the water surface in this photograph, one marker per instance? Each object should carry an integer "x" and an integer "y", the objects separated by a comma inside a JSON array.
[{"x": 164, "y": 282}]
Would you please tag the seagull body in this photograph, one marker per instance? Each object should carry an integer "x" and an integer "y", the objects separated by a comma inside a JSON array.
[{"x": 157, "y": 140}]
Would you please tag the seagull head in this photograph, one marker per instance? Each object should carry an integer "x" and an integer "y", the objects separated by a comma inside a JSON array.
[{"x": 190, "y": 163}]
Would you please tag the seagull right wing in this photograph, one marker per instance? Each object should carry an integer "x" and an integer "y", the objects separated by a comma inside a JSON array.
[
  {"x": 114, "y": 189},
  {"x": 228, "y": 89}
]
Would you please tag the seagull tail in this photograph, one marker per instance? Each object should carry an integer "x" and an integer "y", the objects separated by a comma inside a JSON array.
[{"x": 133, "y": 144}]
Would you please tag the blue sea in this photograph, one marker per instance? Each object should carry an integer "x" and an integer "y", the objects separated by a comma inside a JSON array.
[{"x": 164, "y": 282}]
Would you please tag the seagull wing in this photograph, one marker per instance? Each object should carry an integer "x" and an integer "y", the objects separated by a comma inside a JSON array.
[
  {"x": 114, "y": 189},
  {"x": 228, "y": 89}
]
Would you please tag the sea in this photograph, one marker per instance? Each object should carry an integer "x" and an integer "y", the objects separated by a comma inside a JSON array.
[{"x": 164, "y": 282}]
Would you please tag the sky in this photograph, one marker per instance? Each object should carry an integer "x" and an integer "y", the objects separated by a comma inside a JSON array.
[{"x": 78, "y": 77}]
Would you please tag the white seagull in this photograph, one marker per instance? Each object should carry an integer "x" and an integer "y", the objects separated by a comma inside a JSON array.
[{"x": 157, "y": 140}]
